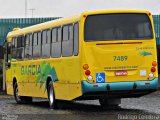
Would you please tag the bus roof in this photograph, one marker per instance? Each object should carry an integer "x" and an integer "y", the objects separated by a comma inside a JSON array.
[
  {"x": 63, "y": 21},
  {"x": 42, "y": 26}
]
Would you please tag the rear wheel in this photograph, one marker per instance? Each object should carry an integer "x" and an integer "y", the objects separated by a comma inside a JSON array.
[
  {"x": 51, "y": 96},
  {"x": 104, "y": 102},
  {"x": 20, "y": 99}
]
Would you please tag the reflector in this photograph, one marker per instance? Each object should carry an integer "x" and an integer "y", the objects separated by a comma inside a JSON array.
[
  {"x": 87, "y": 72},
  {"x": 153, "y": 69}
]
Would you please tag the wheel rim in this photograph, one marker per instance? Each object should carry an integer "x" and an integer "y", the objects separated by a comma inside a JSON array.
[
  {"x": 17, "y": 94},
  {"x": 51, "y": 99}
]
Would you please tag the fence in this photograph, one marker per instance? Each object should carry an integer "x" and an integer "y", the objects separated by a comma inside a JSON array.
[
  {"x": 7, "y": 25},
  {"x": 156, "y": 19}
]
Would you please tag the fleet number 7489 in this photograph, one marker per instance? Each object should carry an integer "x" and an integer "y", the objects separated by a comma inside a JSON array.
[{"x": 120, "y": 58}]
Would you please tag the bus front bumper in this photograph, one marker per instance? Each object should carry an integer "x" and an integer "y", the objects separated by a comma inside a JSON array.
[{"x": 119, "y": 89}]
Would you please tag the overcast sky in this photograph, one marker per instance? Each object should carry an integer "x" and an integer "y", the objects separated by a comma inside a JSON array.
[{"x": 62, "y": 8}]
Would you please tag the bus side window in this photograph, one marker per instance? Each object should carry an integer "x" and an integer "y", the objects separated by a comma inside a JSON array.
[
  {"x": 56, "y": 42},
  {"x": 28, "y": 47},
  {"x": 48, "y": 43},
  {"x": 40, "y": 43},
  {"x": 13, "y": 42},
  {"x": 53, "y": 42},
  {"x": 31, "y": 46},
  {"x": 36, "y": 45},
  {"x": 67, "y": 43},
  {"x": 14, "y": 47},
  {"x": 46, "y": 37},
  {"x": 20, "y": 47},
  {"x": 59, "y": 42},
  {"x": 8, "y": 60},
  {"x": 76, "y": 39}
]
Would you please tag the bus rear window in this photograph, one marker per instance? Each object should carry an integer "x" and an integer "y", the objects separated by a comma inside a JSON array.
[{"x": 122, "y": 26}]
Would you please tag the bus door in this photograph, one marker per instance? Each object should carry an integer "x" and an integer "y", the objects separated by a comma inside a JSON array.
[{"x": 8, "y": 69}]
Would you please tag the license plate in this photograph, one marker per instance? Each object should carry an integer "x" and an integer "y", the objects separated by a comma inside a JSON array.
[{"x": 121, "y": 73}]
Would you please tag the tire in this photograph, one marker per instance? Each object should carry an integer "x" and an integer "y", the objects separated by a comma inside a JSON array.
[
  {"x": 16, "y": 94},
  {"x": 20, "y": 99},
  {"x": 104, "y": 102},
  {"x": 51, "y": 96}
]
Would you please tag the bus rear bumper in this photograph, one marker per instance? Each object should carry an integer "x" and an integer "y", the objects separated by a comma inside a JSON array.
[{"x": 120, "y": 89}]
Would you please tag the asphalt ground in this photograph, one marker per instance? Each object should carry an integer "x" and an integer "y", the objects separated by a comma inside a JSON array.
[{"x": 143, "y": 108}]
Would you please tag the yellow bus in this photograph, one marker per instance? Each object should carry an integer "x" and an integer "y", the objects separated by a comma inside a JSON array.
[{"x": 105, "y": 55}]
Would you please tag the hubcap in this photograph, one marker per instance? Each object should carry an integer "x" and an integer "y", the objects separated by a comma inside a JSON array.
[
  {"x": 17, "y": 94},
  {"x": 51, "y": 95}
]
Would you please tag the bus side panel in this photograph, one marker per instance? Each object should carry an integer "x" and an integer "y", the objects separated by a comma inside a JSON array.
[
  {"x": 16, "y": 73},
  {"x": 66, "y": 78},
  {"x": 9, "y": 83},
  {"x": 68, "y": 86},
  {"x": 35, "y": 90},
  {"x": 28, "y": 75},
  {"x": 67, "y": 91},
  {"x": 9, "y": 78}
]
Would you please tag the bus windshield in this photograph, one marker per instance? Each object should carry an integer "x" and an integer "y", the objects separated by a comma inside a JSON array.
[{"x": 121, "y": 26}]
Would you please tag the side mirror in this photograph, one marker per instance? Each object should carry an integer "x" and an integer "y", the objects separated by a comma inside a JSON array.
[
  {"x": 1, "y": 52},
  {"x": 8, "y": 64}
]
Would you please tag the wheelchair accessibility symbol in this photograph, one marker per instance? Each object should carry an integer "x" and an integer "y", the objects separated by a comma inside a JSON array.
[{"x": 100, "y": 77}]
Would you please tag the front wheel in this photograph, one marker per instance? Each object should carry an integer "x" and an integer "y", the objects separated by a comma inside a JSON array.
[{"x": 51, "y": 96}]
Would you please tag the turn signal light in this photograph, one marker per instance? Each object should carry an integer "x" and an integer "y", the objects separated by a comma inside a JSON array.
[
  {"x": 154, "y": 63},
  {"x": 153, "y": 69},
  {"x": 85, "y": 66},
  {"x": 87, "y": 72}
]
